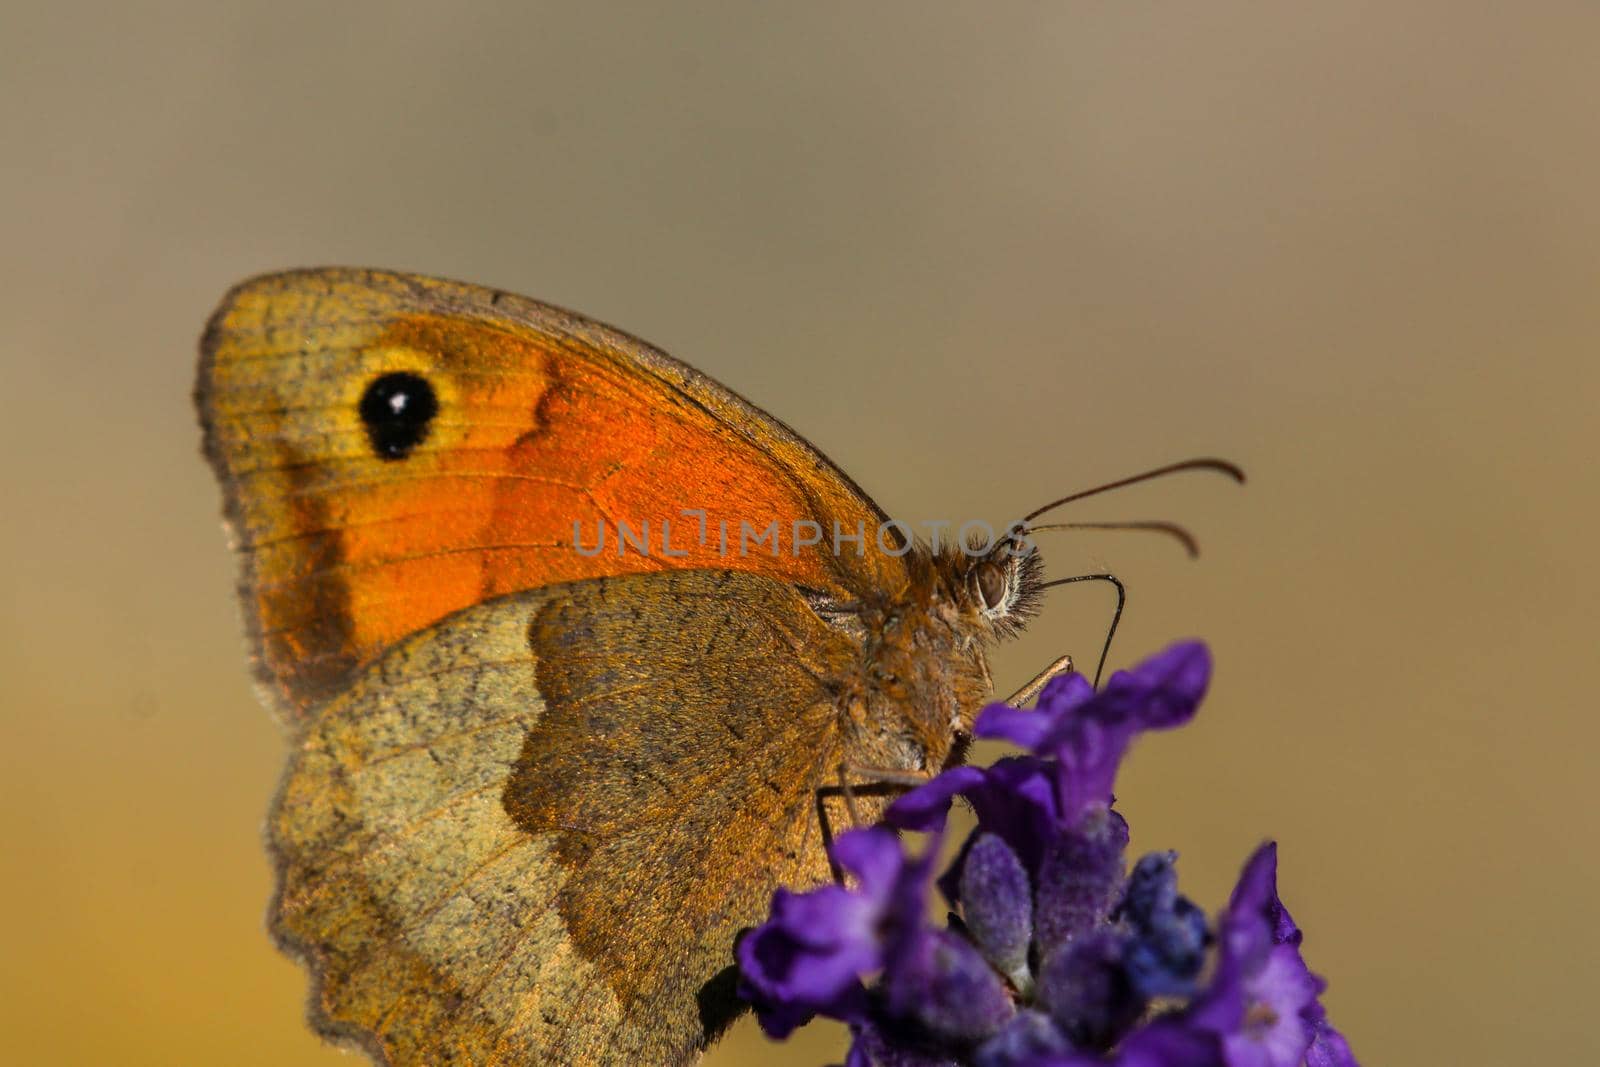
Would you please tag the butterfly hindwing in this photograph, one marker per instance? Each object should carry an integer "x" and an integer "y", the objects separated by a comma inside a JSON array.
[{"x": 531, "y": 832}]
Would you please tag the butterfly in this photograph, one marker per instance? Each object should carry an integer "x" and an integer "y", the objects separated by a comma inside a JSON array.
[{"x": 537, "y": 787}]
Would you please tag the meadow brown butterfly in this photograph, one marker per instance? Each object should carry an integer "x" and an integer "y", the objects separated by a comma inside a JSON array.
[{"x": 538, "y": 785}]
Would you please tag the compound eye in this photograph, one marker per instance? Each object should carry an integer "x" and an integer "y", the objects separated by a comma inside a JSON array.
[{"x": 990, "y": 578}]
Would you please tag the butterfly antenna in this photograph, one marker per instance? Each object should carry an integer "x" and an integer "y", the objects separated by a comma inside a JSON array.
[
  {"x": 1220, "y": 465},
  {"x": 1170, "y": 529},
  {"x": 1116, "y": 616}
]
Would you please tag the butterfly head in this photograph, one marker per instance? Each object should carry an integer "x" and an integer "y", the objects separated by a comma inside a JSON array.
[
  {"x": 1001, "y": 587},
  {"x": 926, "y": 657}
]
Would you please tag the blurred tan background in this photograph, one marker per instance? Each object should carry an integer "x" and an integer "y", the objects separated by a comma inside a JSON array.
[{"x": 982, "y": 255}]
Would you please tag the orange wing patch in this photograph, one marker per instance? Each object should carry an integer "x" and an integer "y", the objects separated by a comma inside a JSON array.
[{"x": 539, "y": 419}]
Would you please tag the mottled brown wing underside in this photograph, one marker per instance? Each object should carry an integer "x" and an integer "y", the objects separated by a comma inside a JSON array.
[{"x": 531, "y": 833}]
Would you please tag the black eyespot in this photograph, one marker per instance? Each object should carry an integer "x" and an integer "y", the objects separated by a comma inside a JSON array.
[
  {"x": 397, "y": 410},
  {"x": 991, "y": 581}
]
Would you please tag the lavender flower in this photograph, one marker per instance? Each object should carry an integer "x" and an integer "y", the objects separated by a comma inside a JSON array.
[
  {"x": 1056, "y": 954},
  {"x": 808, "y": 958},
  {"x": 1262, "y": 1001}
]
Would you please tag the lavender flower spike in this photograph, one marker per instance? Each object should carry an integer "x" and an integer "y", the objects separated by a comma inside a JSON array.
[{"x": 1055, "y": 954}]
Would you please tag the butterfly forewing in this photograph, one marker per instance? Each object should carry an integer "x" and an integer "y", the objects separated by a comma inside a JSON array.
[{"x": 394, "y": 448}]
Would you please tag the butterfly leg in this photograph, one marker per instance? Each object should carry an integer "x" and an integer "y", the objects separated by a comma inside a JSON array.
[
  {"x": 1040, "y": 680},
  {"x": 885, "y": 779},
  {"x": 849, "y": 796},
  {"x": 872, "y": 781},
  {"x": 826, "y": 825}
]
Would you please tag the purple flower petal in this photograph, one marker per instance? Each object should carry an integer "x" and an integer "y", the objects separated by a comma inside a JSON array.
[
  {"x": 1255, "y": 914},
  {"x": 1166, "y": 688},
  {"x": 1162, "y": 692},
  {"x": 826, "y": 917},
  {"x": 807, "y": 960},
  {"x": 1027, "y": 729},
  {"x": 1064, "y": 695},
  {"x": 1016, "y": 801},
  {"x": 1274, "y": 1032},
  {"x": 874, "y": 856},
  {"x": 778, "y": 1021},
  {"x": 925, "y": 807},
  {"x": 1262, "y": 1000},
  {"x": 810, "y": 955},
  {"x": 1329, "y": 1049},
  {"x": 1015, "y": 797},
  {"x": 1021, "y": 727}
]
